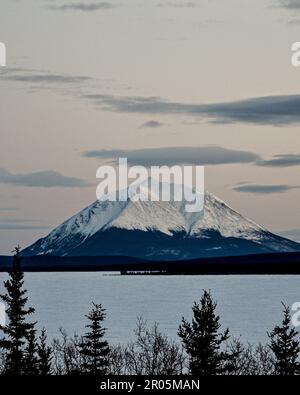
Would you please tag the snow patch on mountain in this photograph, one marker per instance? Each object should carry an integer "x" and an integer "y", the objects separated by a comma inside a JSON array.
[
  {"x": 94, "y": 229},
  {"x": 220, "y": 217}
]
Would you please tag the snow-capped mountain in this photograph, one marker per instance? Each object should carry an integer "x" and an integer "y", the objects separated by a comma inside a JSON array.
[{"x": 159, "y": 230}]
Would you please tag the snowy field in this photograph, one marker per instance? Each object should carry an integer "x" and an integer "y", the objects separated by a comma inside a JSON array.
[{"x": 248, "y": 305}]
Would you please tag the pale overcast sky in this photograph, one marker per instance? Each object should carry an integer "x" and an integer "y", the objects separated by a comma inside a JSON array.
[{"x": 85, "y": 76}]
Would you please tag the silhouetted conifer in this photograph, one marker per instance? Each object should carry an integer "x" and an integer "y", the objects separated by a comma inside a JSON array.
[
  {"x": 30, "y": 355},
  {"x": 44, "y": 355},
  {"x": 285, "y": 346},
  {"x": 93, "y": 349},
  {"x": 202, "y": 340},
  {"x": 17, "y": 330}
]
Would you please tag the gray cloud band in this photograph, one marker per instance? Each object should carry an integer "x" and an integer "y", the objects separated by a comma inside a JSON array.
[
  {"x": 282, "y": 160},
  {"x": 22, "y": 227},
  {"x": 85, "y": 7},
  {"x": 209, "y": 155},
  {"x": 43, "y": 179},
  {"x": 152, "y": 124},
  {"x": 205, "y": 155},
  {"x": 264, "y": 189},
  {"x": 274, "y": 110},
  {"x": 269, "y": 110},
  {"x": 39, "y": 77}
]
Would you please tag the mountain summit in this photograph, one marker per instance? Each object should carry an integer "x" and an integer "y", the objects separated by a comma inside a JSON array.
[{"x": 159, "y": 231}]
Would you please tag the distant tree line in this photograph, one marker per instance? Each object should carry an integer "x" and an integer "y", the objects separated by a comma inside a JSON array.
[{"x": 203, "y": 348}]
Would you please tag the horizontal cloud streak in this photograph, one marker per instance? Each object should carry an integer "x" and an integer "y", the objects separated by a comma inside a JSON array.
[
  {"x": 39, "y": 77},
  {"x": 283, "y": 160},
  {"x": 274, "y": 110},
  {"x": 42, "y": 179},
  {"x": 264, "y": 189},
  {"x": 178, "y": 4},
  {"x": 152, "y": 124},
  {"x": 206, "y": 155},
  {"x": 268, "y": 110},
  {"x": 86, "y": 7},
  {"x": 12, "y": 226}
]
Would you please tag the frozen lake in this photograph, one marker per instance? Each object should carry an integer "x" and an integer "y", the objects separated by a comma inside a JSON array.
[{"x": 249, "y": 305}]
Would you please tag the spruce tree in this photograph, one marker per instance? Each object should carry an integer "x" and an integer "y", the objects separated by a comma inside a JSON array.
[
  {"x": 44, "y": 355},
  {"x": 285, "y": 346},
  {"x": 202, "y": 340},
  {"x": 17, "y": 330},
  {"x": 30, "y": 355},
  {"x": 93, "y": 349}
]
